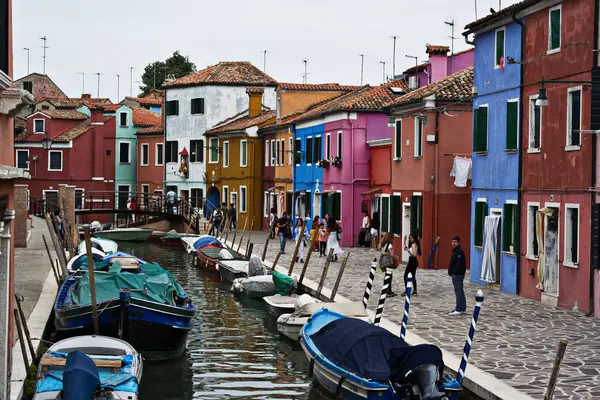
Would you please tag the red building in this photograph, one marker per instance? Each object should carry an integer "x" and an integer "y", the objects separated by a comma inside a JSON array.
[
  {"x": 558, "y": 164},
  {"x": 80, "y": 153},
  {"x": 432, "y": 123},
  {"x": 150, "y": 171}
]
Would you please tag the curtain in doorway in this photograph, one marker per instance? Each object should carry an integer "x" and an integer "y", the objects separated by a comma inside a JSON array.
[
  {"x": 280, "y": 198},
  {"x": 539, "y": 232},
  {"x": 490, "y": 247}
]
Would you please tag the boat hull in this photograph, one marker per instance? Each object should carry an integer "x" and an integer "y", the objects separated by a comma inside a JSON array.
[
  {"x": 175, "y": 240},
  {"x": 278, "y": 305},
  {"x": 125, "y": 235},
  {"x": 229, "y": 274}
]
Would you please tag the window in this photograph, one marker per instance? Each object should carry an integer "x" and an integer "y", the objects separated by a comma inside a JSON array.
[
  {"x": 337, "y": 206},
  {"x": 28, "y": 85},
  {"x": 45, "y": 107},
  {"x": 532, "y": 243},
  {"x": 554, "y": 26},
  {"x": 499, "y": 48},
  {"x": 23, "y": 159},
  {"x": 328, "y": 146},
  {"x": 282, "y": 151},
  {"x": 278, "y": 154},
  {"x": 226, "y": 195},
  {"x": 144, "y": 154},
  {"x": 317, "y": 150},
  {"x": 124, "y": 156},
  {"x": 395, "y": 214},
  {"x": 159, "y": 154},
  {"x": 309, "y": 150},
  {"x": 198, "y": 106},
  {"x": 197, "y": 198},
  {"x": 244, "y": 153},
  {"x": 55, "y": 160},
  {"x": 266, "y": 204},
  {"x": 234, "y": 199},
  {"x": 339, "y": 144},
  {"x": 398, "y": 140},
  {"x": 243, "y": 199},
  {"x": 39, "y": 126},
  {"x": 123, "y": 118},
  {"x": 512, "y": 125},
  {"x": 172, "y": 107},
  {"x": 298, "y": 152},
  {"x": 273, "y": 155},
  {"x": 213, "y": 144},
  {"x": 171, "y": 151},
  {"x": 510, "y": 233},
  {"x": 308, "y": 205},
  {"x": 480, "y": 214},
  {"x": 574, "y": 119},
  {"x": 225, "y": 154},
  {"x": 79, "y": 199},
  {"x": 480, "y": 128},
  {"x": 385, "y": 214},
  {"x": 145, "y": 194},
  {"x": 197, "y": 150},
  {"x": 571, "y": 258},
  {"x": 416, "y": 215},
  {"x": 535, "y": 126},
  {"x": 266, "y": 153},
  {"x": 418, "y": 137},
  {"x": 291, "y": 152}
]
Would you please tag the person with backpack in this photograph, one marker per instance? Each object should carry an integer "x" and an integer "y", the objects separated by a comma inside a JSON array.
[
  {"x": 413, "y": 247},
  {"x": 388, "y": 258},
  {"x": 216, "y": 220}
]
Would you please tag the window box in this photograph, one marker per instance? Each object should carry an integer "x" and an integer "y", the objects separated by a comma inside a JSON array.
[{"x": 337, "y": 162}]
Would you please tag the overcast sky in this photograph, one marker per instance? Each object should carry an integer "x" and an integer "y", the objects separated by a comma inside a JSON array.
[{"x": 111, "y": 36}]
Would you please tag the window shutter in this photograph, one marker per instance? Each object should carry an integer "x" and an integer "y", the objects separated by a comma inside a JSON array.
[
  {"x": 476, "y": 130},
  {"x": 480, "y": 213},
  {"x": 575, "y": 117},
  {"x": 385, "y": 213},
  {"x": 482, "y": 130},
  {"x": 499, "y": 46},
  {"x": 415, "y": 211},
  {"x": 395, "y": 207},
  {"x": 200, "y": 151},
  {"x": 595, "y": 236},
  {"x": 554, "y": 29},
  {"x": 512, "y": 116},
  {"x": 201, "y": 105},
  {"x": 398, "y": 144},
  {"x": 574, "y": 231},
  {"x": 516, "y": 214},
  {"x": 507, "y": 227}
]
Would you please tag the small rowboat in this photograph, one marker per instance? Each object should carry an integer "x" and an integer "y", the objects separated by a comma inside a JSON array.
[
  {"x": 174, "y": 239},
  {"x": 210, "y": 255},
  {"x": 231, "y": 270}
]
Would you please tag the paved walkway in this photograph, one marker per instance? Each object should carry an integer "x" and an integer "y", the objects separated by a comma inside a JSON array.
[{"x": 516, "y": 339}]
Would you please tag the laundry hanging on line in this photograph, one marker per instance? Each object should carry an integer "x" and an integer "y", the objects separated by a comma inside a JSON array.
[{"x": 461, "y": 171}]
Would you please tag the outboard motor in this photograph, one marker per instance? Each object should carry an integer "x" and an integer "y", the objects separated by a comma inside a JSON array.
[
  {"x": 416, "y": 372},
  {"x": 424, "y": 383}
]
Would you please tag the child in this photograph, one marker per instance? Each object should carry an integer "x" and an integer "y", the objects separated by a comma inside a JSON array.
[{"x": 323, "y": 236}]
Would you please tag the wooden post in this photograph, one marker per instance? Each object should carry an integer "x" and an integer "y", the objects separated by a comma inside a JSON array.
[
  {"x": 307, "y": 260},
  {"x": 562, "y": 346},
  {"x": 339, "y": 277},
  {"x": 18, "y": 299},
  {"x": 264, "y": 254},
  {"x": 276, "y": 260},
  {"x": 224, "y": 227},
  {"x": 21, "y": 339},
  {"x": 249, "y": 249},
  {"x": 233, "y": 240},
  {"x": 90, "y": 260},
  {"x": 242, "y": 237},
  {"x": 298, "y": 242},
  {"x": 324, "y": 275},
  {"x": 57, "y": 247},
  {"x": 63, "y": 273},
  {"x": 250, "y": 233}
]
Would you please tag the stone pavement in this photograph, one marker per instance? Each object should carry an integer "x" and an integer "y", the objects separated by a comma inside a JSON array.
[{"x": 516, "y": 338}]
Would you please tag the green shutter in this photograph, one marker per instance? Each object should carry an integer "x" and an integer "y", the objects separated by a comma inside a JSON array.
[
  {"x": 554, "y": 29},
  {"x": 476, "y": 130},
  {"x": 480, "y": 214},
  {"x": 512, "y": 117},
  {"x": 416, "y": 215},
  {"x": 395, "y": 214},
  {"x": 516, "y": 218},
  {"x": 499, "y": 46},
  {"x": 482, "y": 122},
  {"x": 507, "y": 228},
  {"x": 337, "y": 206},
  {"x": 385, "y": 214}
]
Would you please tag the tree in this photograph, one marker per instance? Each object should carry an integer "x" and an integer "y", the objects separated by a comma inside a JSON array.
[{"x": 175, "y": 66}]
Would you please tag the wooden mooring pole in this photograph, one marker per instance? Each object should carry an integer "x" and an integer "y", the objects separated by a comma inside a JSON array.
[
  {"x": 18, "y": 300},
  {"x": 307, "y": 260},
  {"x": 339, "y": 277},
  {"x": 57, "y": 274},
  {"x": 241, "y": 237},
  {"x": 90, "y": 260},
  {"x": 298, "y": 242},
  {"x": 21, "y": 339},
  {"x": 562, "y": 346},
  {"x": 250, "y": 234},
  {"x": 324, "y": 274}
]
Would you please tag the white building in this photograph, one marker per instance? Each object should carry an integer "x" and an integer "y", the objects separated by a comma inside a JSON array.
[{"x": 196, "y": 103}]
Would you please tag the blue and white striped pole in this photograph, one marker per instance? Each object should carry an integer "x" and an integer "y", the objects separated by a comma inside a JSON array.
[
  {"x": 387, "y": 279},
  {"x": 467, "y": 350},
  {"x": 409, "y": 286},
  {"x": 367, "y": 294}
]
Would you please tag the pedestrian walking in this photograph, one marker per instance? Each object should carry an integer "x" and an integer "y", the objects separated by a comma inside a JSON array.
[
  {"x": 323, "y": 236},
  {"x": 301, "y": 236},
  {"x": 282, "y": 231},
  {"x": 232, "y": 217},
  {"x": 170, "y": 201},
  {"x": 388, "y": 259},
  {"x": 335, "y": 235},
  {"x": 364, "y": 228},
  {"x": 133, "y": 207},
  {"x": 272, "y": 220},
  {"x": 59, "y": 225},
  {"x": 314, "y": 233},
  {"x": 215, "y": 221},
  {"x": 457, "y": 270},
  {"x": 375, "y": 224},
  {"x": 413, "y": 247}
]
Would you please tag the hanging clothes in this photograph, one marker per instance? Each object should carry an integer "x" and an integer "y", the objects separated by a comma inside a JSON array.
[
  {"x": 461, "y": 171},
  {"x": 490, "y": 248}
]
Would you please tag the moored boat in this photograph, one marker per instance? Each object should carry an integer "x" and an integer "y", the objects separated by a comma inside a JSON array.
[
  {"x": 209, "y": 256},
  {"x": 80, "y": 260},
  {"x": 106, "y": 246},
  {"x": 231, "y": 270},
  {"x": 104, "y": 367},
  {"x": 125, "y": 234},
  {"x": 191, "y": 244},
  {"x": 174, "y": 239}
]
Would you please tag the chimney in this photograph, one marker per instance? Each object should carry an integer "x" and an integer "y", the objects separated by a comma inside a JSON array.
[
  {"x": 438, "y": 59},
  {"x": 86, "y": 96},
  {"x": 255, "y": 95}
]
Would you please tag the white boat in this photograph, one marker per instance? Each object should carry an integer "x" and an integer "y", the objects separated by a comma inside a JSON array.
[
  {"x": 105, "y": 245},
  {"x": 75, "y": 367},
  {"x": 290, "y": 325},
  {"x": 80, "y": 260},
  {"x": 125, "y": 234},
  {"x": 193, "y": 243}
]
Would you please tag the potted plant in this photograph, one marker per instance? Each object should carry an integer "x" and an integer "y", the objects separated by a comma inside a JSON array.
[
  {"x": 337, "y": 162},
  {"x": 183, "y": 168},
  {"x": 324, "y": 163}
]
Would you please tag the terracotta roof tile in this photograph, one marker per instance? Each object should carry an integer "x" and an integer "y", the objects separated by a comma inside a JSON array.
[
  {"x": 71, "y": 103},
  {"x": 241, "y": 73},
  {"x": 146, "y": 101},
  {"x": 21, "y": 138},
  {"x": 152, "y": 130},
  {"x": 64, "y": 114},
  {"x": 111, "y": 107},
  {"x": 416, "y": 68},
  {"x": 143, "y": 117},
  {"x": 458, "y": 86},
  {"x": 255, "y": 90},
  {"x": 43, "y": 86},
  {"x": 316, "y": 87},
  {"x": 243, "y": 123},
  {"x": 73, "y": 133},
  {"x": 435, "y": 49}
]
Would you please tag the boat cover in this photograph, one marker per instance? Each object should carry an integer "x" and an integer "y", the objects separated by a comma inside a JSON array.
[
  {"x": 259, "y": 284},
  {"x": 123, "y": 381},
  {"x": 80, "y": 261},
  {"x": 255, "y": 266},
  {"x": 214, "y": 252},
  {"x": 359, "y": 347},
  {"x": 121, "y": 254},
  {"x": 159, "y": 283},
  {"x": 405, "y": 359},
  {"x": 283, "y": 283},
  {"x": 80, "y": 377},
  {"x": 206, "y": 241}
]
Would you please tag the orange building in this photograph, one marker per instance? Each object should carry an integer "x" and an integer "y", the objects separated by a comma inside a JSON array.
[{"x": 150, "y": 171}]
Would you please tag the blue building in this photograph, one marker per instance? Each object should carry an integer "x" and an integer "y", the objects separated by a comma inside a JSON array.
[{"x": 495, "y": 169}]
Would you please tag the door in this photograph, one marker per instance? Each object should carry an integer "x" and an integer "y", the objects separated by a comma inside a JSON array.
[
  {"x": 51, "y": 200},
  {"x": 234, "y": 200},
  {"x": 289, "y": 200},
  {"x": 551, "y": 254},
  {"x": 122, "y": 196},
  {"x": 213, "y": 200},
  {"x": 405, "y": 227},
  {"x": 328, "y": 207}
]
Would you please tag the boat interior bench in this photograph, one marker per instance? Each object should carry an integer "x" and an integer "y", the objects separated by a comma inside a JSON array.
[{"x": 49, "y": 361}]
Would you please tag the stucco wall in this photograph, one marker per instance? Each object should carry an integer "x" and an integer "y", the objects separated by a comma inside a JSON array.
[
  {"x": 126, "y": 173},
  {"x": 150, "y": 174}
]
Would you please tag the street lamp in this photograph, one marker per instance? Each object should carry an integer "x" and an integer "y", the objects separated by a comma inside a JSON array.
[
  {"x": 46, "y": 143},
  {"x": 542, "y": 99}
]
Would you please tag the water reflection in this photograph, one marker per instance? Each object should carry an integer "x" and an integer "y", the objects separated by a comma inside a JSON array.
[{"x": 234, "y": 350}]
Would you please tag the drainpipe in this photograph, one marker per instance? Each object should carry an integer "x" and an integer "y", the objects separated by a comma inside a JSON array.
[
  {"x": 520, "y": 152},
  {"x": 436, "y": 183},
  {"x": 352, "y": 173},
  {"x": 467, "y": 41}
]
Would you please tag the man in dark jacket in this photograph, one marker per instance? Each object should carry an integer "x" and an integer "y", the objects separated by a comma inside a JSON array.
[{"x": 457, "y": 270}]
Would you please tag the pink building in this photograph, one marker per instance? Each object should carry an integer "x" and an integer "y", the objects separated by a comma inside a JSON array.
[{"x": 439, "y": 65}]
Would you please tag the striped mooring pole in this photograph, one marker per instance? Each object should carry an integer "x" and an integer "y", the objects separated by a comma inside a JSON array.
[
  {"x": 367, "y": 294},
  {"x": 467, "y": 350},
  {"x": 387, "y": 279},
  {"x": 409, "y": 286}
]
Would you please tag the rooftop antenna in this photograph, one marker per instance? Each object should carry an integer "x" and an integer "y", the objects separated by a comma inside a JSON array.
[
  {"x": 394, "y": 57},
  {"x": 383, "y": 63},
  {"x": 44, "y": 39},
  {"x": 362, "y": 64},
  {"x": 82, "y": 82},
  {"x": 131, "y": 81},
  {"x": 98, "y": 73},
  {"x": 27, "y": 50},
  {"x": 118, "y": 86},
  {"x": 499, "y": 4},
  {"x": 475, "y": 1},
  {"x": 451, "y": 24},
  {"x": 265, "y": 61},
  {"x": 154, "y": 81},
  {"x": 416, "y": 59},
  {"x": 305, "y": 75}
]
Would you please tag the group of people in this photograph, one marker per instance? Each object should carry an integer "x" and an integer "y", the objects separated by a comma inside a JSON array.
[
  {"x": 369, "y": 231},
  {"x": 222, "y": 215}
]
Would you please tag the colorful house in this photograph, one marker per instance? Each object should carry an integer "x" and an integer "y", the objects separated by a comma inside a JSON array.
[
  {"x": 152, "y": 101},
  {"x": 432, "y": 123},
  {"x": 196, "y": 103},
  {"x": 495, "y": 157},
  {"x": 150, "y": 150},
  {"x": 238, "y": 176}
]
